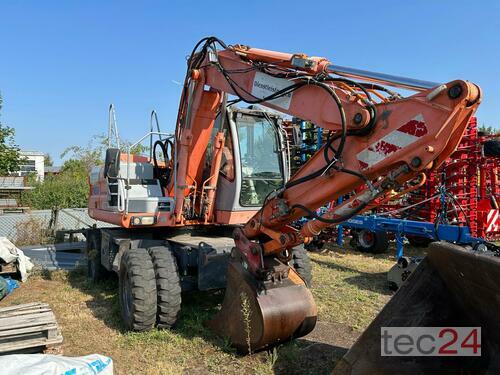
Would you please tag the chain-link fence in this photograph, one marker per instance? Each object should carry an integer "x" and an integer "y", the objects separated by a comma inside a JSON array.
[{"x": 38, "y": 226}]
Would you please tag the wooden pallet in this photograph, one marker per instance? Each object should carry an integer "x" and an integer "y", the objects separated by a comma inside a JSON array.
[
  {"x": 8, "y": 268},
  {"x": 30, "y": 327}
]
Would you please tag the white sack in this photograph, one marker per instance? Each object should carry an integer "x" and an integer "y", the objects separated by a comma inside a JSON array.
[
  {"x": 10, "y": 253},
  {"x": 44, "y": 364}
]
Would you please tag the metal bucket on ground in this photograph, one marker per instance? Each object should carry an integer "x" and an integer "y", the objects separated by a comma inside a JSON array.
[{"x": 257, "y": 314}]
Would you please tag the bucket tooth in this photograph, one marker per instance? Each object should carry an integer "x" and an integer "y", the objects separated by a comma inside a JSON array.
[{"x": 256, "y": 314}]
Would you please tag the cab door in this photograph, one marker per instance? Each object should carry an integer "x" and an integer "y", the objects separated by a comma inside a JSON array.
[{"x": 254, "y": 163}]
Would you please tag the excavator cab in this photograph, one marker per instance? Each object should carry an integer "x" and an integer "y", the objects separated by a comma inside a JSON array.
[{"x": 254, "y": 162}]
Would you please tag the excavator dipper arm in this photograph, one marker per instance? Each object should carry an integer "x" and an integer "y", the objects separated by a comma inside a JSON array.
[{"x": 377, "y": 141}]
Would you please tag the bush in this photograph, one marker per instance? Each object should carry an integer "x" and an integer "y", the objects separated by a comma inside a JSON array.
[
  {"x": 32, "y": 231},
  {"x": 65, "y": 190},
  {"x": 9, "y": 151}
]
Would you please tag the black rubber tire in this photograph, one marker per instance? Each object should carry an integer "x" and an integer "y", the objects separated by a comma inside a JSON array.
[
  {"x": 168, "y": 286},
  {"x": 419, "y": 241},
  {"x": 379, "y": 245},
  {"x": 302, "y": 263},
  {"x": 315, "y": 245},
  {"x": 95, "y": 270},
  {"x": 492, "y": 148},
  {"x": 137, "y": 290}
]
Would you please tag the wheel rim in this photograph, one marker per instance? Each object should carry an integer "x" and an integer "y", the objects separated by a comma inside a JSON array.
[
  {"x": 366, "y": 238},
  {"x": 126, "y": 297}
]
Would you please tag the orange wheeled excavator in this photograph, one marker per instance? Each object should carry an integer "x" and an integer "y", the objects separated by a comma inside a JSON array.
[{"x": 224, "y": 177}]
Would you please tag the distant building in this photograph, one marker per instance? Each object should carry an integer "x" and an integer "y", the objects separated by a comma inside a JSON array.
[
  {"x": 33, "y": 163},
  {"x": 11, "y": 189},
  {"x": 51, "y": 171}
]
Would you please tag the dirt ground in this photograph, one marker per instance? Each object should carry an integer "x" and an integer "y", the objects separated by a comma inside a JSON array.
[{"x": 349, "y": 287}]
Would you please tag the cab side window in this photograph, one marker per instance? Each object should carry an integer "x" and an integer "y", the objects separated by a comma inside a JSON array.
[{"x": 227, "y": 162}]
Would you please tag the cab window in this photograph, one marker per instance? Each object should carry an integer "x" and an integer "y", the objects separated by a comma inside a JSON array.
[{"x": 260, "y": 159}]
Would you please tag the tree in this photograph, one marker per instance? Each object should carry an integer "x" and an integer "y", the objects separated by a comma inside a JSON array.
[
  {"x": 75, "y": 168},
  {"x": 93, "y": 153},
  {"x": 488, "y": 130},
  {"x": 47, "y": 160},
  {"x": 67, "y": 189},
  {"x": 10, "y": 159},
  {"x": 90, "y": 155}
]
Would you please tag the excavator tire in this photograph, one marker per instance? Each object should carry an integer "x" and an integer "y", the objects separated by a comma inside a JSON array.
[
  {"x": 168, "y": 286},
  {"x": 451, "y": 287},
  {"x": 137, "y": 290},
  {"x": 257, "y": 315},
  {"x": 301, "y": 262}
]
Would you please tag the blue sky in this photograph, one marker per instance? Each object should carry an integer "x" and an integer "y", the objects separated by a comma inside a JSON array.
[{"x": 63, "y": 62}]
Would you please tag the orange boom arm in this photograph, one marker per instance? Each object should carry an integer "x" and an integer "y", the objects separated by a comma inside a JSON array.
[{"x": 376, "y": 139}]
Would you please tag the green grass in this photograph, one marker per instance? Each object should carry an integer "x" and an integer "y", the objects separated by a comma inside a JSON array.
[{"x": 349, "y": 289}]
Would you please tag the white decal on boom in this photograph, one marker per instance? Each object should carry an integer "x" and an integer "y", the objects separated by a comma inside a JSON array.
[{"x": 265, "y": 85}]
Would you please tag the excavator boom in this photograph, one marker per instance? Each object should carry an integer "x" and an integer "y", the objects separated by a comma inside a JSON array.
[{"x": 377, "y": 141}]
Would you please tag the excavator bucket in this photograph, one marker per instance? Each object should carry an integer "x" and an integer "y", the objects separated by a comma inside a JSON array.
[
  {"x": 256, "y": 314},
  {"x": 451, "y": 287}
]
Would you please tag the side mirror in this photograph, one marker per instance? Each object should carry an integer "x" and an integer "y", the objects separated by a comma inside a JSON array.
[{"x": 112, "y": 163}]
